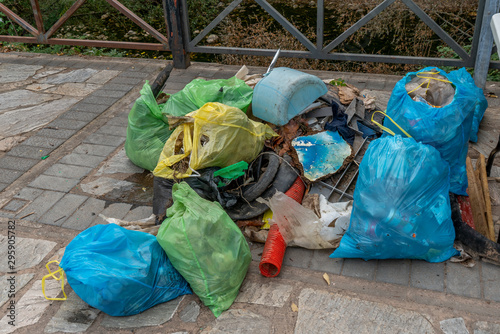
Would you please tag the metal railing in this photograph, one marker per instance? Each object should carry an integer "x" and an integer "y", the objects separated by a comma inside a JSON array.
[{"x": 179, "y": 42}]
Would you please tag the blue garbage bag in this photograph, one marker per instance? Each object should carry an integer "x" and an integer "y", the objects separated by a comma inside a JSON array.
[
  {"x": 447, "y": 128},
  {"x": 401, "y": 206},
  {"x": 120, "y": 272}
]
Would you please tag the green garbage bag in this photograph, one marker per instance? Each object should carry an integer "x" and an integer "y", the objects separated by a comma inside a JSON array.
[
  {"x": 148, "y": 128},
  {"x": 147, "y": 131},
  {"x": 206, "y": 247},
  {"x": 231, "y": 92}
]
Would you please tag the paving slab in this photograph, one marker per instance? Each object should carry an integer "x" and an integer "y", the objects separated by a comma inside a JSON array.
[
  {"x": 323, "y": 312},
  {"x": 31, "y": 306},
  {"x": 322, "y": 262},
  {"x": 119, "y": 163},
  {"x": 85, "y": 215},
  {"x": 88, "y": 107},
  {"x": 297, "y": 257},
  {"x": 94, "y": 149},
  {"x": 359, "y": 268},
  {"x": 28, "y": 194},
  {"x": 268, "y": 294},
  {"x": 9, "y": 286},
  {"x": 115, "y": 210},
  {"x": 240, "y": 321},
  {"x": 483, "y": 327},
  {"x": 190, "y": 312},
  {"x": 14, "y": 205},
  {"x": 394, "y": 271},
  {"x": 28, "y": 119},
  {"x": 62, "y": 210},
  {"x": 453, "y": 326},
  {"x": 491, "y": 279},
  {"x": 74, "y": 89},
  {"x": 102, "y": 77},
  {"x": 139, "y": 212},
  {"x": 68, "y": 171},
  {"x": 70, "y": 124},
  {"x": 17, "y": 163},
  {"x": 16, "y": 72},
  {"x": 22, "y": 98},
  {"x": 155, "y": 316},
  {"x": 29, "y": 252},
  {"x": 74, "y": 316},
  {"x": 40, "y": 205},
  {"x": 29, "y": 152},
  {"x": 55, "y": 183},
  {"x": 57, "y": 133},
  {"x": 103, "y": 139},
  {"x": 79, "y": 115},
  {"x": 79, "y": 75},
  {"x": 82, "y": 160},
  {"x": 107, "y": 186},
  {"x": 41, "y": 141},
  {"x": 463, "y": 281},
  {"x": 426, "y": 275},
  {"x": 8, "y": 176}
]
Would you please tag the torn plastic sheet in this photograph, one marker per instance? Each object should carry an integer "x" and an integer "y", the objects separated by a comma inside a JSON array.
[{"x": 321, "y": 154}]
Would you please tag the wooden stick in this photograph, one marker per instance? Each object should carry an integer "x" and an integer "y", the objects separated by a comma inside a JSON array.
[
  {"x": 476, "y": 200},
  {"x": 483, "y": 181},
  {"x": 29, "y": 214}
]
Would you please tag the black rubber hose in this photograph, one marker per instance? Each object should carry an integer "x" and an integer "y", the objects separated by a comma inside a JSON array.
[
  {"x": 252, "y": 192},
  {"x": 470, "y": 237},
  {"x": 160, "y": 80}
]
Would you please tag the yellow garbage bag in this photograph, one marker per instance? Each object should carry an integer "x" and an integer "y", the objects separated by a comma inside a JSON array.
[{"x": 218, "y": 136}]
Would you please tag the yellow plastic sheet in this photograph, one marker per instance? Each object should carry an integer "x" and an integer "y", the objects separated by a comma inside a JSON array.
[{"x": 219, "y": 137}]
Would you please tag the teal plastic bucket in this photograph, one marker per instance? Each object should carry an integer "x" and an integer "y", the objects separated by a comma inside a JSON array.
[{"x": 284, "y": 93}]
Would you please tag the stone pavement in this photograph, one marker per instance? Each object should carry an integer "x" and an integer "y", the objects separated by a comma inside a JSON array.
[{"x": 62, "y": 129}]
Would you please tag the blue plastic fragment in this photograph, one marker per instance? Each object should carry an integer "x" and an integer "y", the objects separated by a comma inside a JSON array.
[{"x": 321, "y": 154}]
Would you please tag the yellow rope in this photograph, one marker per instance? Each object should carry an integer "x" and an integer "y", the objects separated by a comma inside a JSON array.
[
  {"x": 52, "y": 274},
  {"x": 385, "y": 128}
]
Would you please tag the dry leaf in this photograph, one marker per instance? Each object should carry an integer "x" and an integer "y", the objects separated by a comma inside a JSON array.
[
  {"x": 327, "y": 278},
  {"x": 295, "y": 308}
]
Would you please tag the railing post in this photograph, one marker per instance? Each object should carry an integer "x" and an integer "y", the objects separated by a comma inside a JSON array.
[
  {"x": 173, "y": 11},
  {"x": 482, "y": 63}
]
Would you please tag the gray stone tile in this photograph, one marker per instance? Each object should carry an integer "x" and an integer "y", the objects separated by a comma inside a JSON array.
[
  {"x": 73, "y": 76},
  {"x": 155, "y": 316},
  {"x": 8, "y": 176},
  {"x": 29, "y": 194},
  {"x": 109, "y": 93},
  {"x": 190, "y": 312},
  {"x": 74, "y": 316},
  {"x": 491, "y": 280},
  {"x": 68, "y": 171},
  {"x": 125, "y": 87},
  {"x": 133, "y": 74},
  {"x": 71, "y": 124},
  {"x": 359, "y": 268},
  {"x": 46, "y": 142},
  {"x": 40, "y": 205},
  {"x": 106, "y": 101},
  {"x": 32, "y": 305},
  {"x": 240, "y": 321},
  {"x": 120, "y": 131},
  {"x": 62, "y": 210},
  {"x": 85, "y": 215},
  {"x": 56, "y": 183},
  {"x": 463, "y": 281},
  {"x": 483, "y": 327},
  {"x": 269, "y": 294},
  {"x": 3, "y": 186},
  {"x": 15, "y": 205},
  {"x": 16, "y": 163},
  {"x": 5, "y": 286},
  {"x": 425, "y": 275},
  {"x": 453, "y": 326},
  {"x": 59, "y": 133},
  {"x": 29, "y": 152},
  {"x": 91, "y": 149},
  {"x": 115, "y": 210},
  {"x": 322, "y": 262},
  {"x": 82, "y": 160},
  {"x": 139, "y": 212},
  {"x": 323, "y": 312},
  {"x": 127, "y": 83},
  {"x": 88, "y": 107},
  {"x": 393, "y": 271},
  {"x": 297, "y": 257},
  {"x": 29, "y": 252},
  {"x": 79, "y": 115},
  {"x": 97, "y": 138},
  {"x": 119, "y": 121}
]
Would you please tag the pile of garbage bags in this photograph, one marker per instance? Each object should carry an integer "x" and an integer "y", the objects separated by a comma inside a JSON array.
[{"x": 226, "y": 158}]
